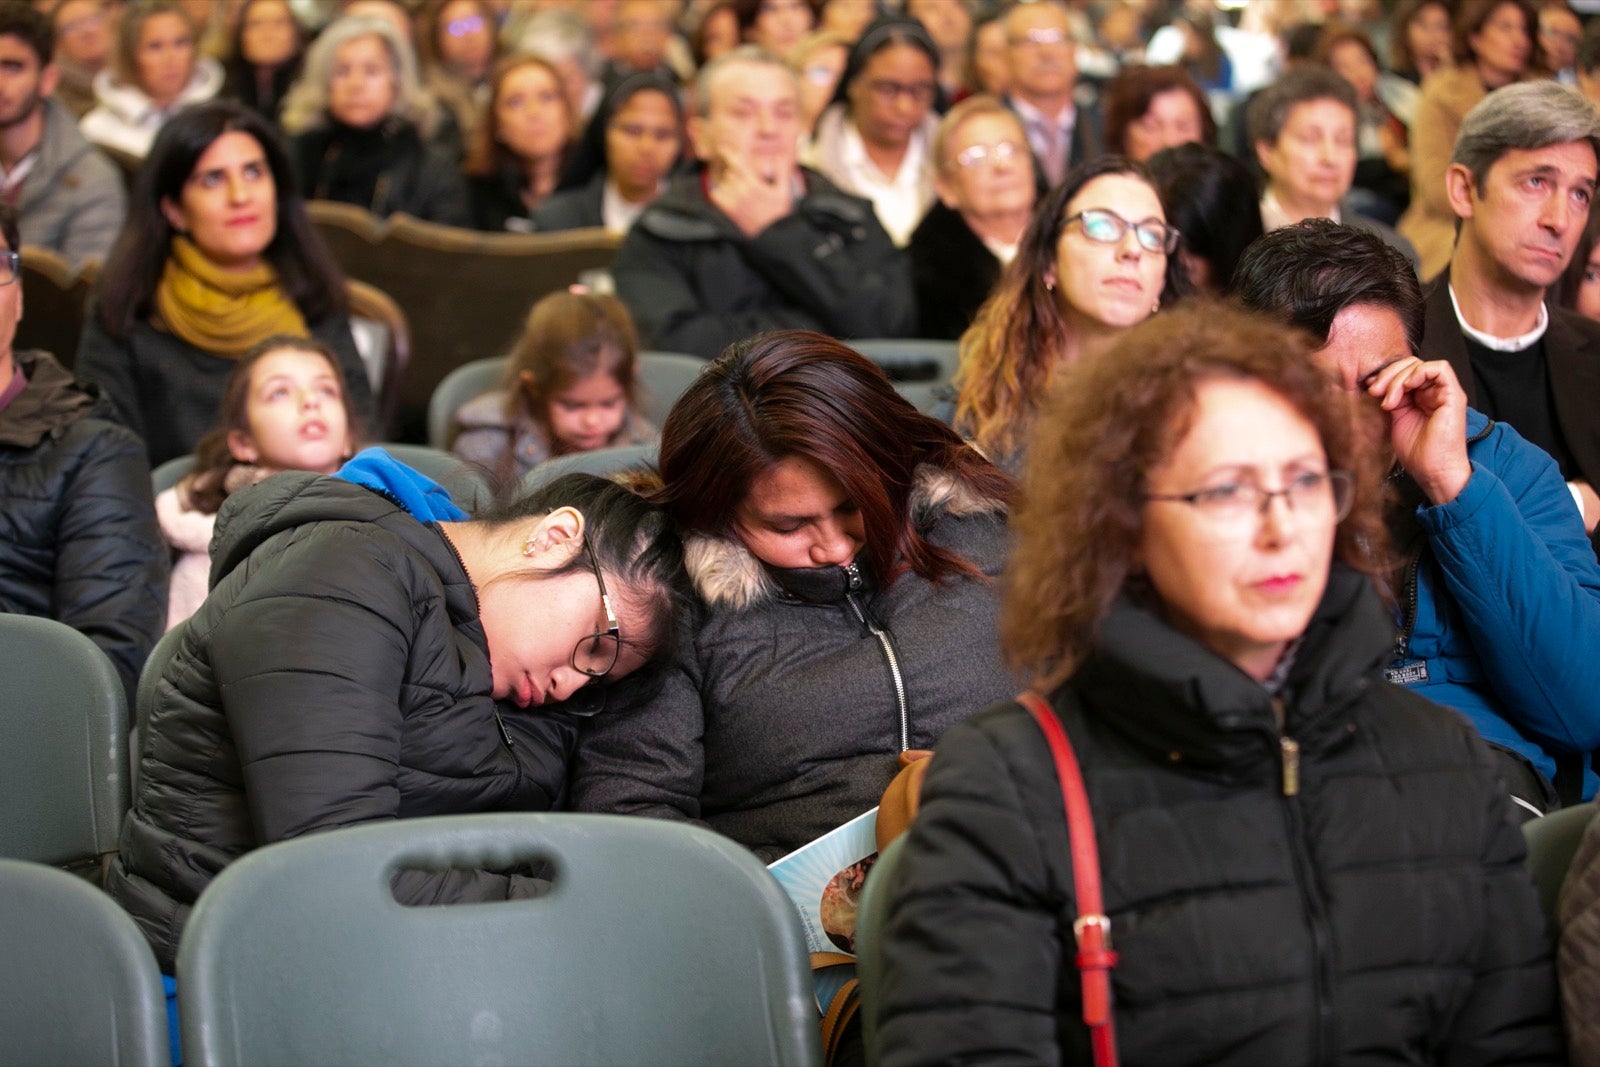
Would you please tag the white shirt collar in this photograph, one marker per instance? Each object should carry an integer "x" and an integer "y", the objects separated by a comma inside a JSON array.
[
  {"x": 1501, "y": 344},
  {"x": 617, "y": 214}
]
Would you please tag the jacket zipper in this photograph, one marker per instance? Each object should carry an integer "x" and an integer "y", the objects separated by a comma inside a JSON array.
[
  {"x": 1408, "y": 622},
  {"x": 853, "y": 584},
  {"x": 1310, "y": 899}
]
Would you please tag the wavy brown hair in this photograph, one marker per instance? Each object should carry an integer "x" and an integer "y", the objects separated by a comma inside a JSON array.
[
  {"x": 1114, "y": 418},
  {"x": 488, "y": 154},
  {"x": 1020, "y": 334},
  {"x": 1131, "y": 93}
]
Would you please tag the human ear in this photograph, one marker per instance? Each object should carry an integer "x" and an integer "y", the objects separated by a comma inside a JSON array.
[
  {"x": 946, "y": 193},
  {"x": 700, "y": 139},
  {"x": 174, "y": 214},
  {"x": 49, "y": 78},
  {"x": 555, "y": 538},
  {"x": 1459, "y": 190},
  {"x": 242, "y": 447},
  {"x": 1263, "y": 155}
]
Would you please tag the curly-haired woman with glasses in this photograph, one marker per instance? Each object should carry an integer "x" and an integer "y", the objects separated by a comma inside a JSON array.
[
  {"x": 355, "y": 663},
  {"x": 1096, "y": 258},
  {"x": 1300, "y": 861}
]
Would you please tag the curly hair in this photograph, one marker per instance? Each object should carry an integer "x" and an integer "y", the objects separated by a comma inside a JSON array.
[
  {"x": 1114, "y": 418},
  {"x": 1021, "y": 333}
]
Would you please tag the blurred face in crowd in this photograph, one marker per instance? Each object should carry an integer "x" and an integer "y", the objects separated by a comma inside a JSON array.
[
  {"x": 363, "y": 85},
  {"x": 752, "y": 119},
  {"x": 987, "y": 171},
  {"x": 1112, "y": 284},
  {"x": 1242, "y": 581},
  {"x": 1559, "y": 32},
  {"x": 83, "y": 33},
  {"x": 1312, "y": 163},
  {"x": 1588, "y": 304},
  {"x": 891, "y": 96},
  {"x": 1352, "y": 62},
  {"x": 165, "y": 58},
  {"x": 798, "y": 515},
  {"x": 819, "y": 76},
  {"x": 947, "y": 21},
  {"x": 780, "y": 23},
  {"x": 1502, "y": 46},
  {"x": 1525, "y": 224},
  {"x": 642, "y": 142},
  {"x": 267, "y": 37},
  {"x": 847, "y": 17},
  {"x": 1039, "y": 45},
  {"x": 641, "y": 34},
  {"x": 1173, "y": 118},
  {"x": 1428, "y": 34},
  {"x": 23, "y": 82},
  {"x": 720, "y": 33},
  {"x": 991, "y": 58},
  {"x": 466, "y": 39},
  {"x": 229, "y": 205},
  {"x": 531, "y": 113}
]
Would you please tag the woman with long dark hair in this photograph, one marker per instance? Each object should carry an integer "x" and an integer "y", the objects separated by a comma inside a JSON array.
[
  {"x": 216, "y": 256},
  {"x": 521, "y": 144},
  {"x": 268, "y": 45},
  {"x": 843, "y": 546}
]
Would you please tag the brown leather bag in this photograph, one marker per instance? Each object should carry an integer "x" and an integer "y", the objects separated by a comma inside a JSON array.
[{"x": 899, "y": 804}]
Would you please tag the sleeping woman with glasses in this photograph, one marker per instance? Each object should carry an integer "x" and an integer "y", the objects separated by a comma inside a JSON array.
[
  {"x": 370, "y": 655},
  {"x": 1097, "y": 257}
]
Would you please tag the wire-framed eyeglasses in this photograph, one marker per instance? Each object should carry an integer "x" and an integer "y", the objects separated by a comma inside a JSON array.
[
  {"x": 597, "y": 654},
  {"x": 1237, "y": 506}
]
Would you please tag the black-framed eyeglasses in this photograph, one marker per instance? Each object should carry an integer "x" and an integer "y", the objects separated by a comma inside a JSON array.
[
  {"x": 10, "y": 267},
  {"x": 596, "y": 654},
  {"x": 1107, "y": 227}
]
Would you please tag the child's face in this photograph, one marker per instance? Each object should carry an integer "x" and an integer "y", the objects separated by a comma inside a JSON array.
[
  {"x": 587, "y": 414},
  {"x": 295, "y": 413}
]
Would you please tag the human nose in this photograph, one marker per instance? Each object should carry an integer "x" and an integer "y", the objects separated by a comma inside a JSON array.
[
  {"x": 1557, "y": 214},
  {"x": 832, "y": 546},
  {"x": 565, "y": 682}
]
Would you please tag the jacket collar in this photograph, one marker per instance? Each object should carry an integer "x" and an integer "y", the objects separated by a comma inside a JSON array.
[
  {"x": 50, "y": 401},
  {"x": 729, "y": 578},
  {"x": 683, "y": 213}
]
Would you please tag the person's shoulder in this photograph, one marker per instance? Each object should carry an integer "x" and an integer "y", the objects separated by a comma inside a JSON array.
[
  {"x": 1573, "y": 327},
  {"x": 486, "y": 411},
  {"x": 681, "y": 214}
]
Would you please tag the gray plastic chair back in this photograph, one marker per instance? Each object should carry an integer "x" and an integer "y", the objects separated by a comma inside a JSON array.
[
  {"x": 80, "y": 984},
  {"x": 664, "y": 376},
  {"x": 659, "y": 943},
  {"x": 63, "y": 744},
  {"x": 459, "y": 386},
  {"x": 463, "y": 482},
  {"x": 912, "y": 359},
  {"x": 601, "y": 461},
  {"x": 1552, "y": 842},
  {"x": 871, "y": 918},
  {"x": 171, "y": 472}
]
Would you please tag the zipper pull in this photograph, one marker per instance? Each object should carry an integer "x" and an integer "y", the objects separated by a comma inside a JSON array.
[
  {"x": 852, "y": 577},
  {"x": 1290, "y": 749},
  {"x": 505, "y": 735}
]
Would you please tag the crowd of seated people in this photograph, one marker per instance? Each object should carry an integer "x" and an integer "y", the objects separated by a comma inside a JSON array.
[{"x": 1273, "y": 433}]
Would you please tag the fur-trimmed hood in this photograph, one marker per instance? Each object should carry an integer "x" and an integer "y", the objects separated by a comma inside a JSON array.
[{"x": 728, "y": 577}]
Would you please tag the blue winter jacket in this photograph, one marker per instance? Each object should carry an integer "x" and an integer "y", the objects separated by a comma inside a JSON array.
[{"x": 1505, "y": 599}]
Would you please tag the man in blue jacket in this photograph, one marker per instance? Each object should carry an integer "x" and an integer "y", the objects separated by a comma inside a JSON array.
[{"x": 1496, "y": 588}]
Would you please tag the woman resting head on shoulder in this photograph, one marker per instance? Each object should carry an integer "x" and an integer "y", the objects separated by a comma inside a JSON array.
[
  {"x": 284, "y": 409},
  {"x": 570, "y": 385},
  {"x": 353, "y": 664},
  {"x": 217, "y": 256},
  {"x": 1279, "y": 828},
  {"x": 1096, "y": 258},
  {"x": 844, "y": 548}
]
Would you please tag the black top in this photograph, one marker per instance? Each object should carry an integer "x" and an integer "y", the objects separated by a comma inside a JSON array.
[{"x": 1514, "y": 387}]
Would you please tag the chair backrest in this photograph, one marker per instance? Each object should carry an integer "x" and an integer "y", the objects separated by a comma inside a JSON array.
[
  {"x": 602, "y": 461},
  {"x": 63, "y": 744},
  {"x": 458, "y": 387},
  {"x": 1552, "y": 842},
  {"x": 657, "y": 943},
  {"x": 912, "y": 359},
  {"x": 390, "y": 332},
  {"x": 466, "y": 293},
  {"x": 871, "y": 918},
  {"x": 664, "y": 376},
  {"x": 463, "y": 481},
  {"x": 171, "y": 472},
  {"x": 78, "y": 984},
  {"x": 57, "y": 294}
]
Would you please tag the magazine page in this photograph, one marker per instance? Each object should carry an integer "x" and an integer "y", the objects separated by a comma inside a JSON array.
[{"x": 824, "y": 880}]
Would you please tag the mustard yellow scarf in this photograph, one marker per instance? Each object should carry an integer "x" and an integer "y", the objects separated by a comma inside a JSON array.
[{"x": 222, "y": 312}]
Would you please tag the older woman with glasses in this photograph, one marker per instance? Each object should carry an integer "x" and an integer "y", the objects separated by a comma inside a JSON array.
[
  {"x": 1097, "y": 258},
  {"x": 355, "y": 662},
  {"x": 1299, "y": 861}
]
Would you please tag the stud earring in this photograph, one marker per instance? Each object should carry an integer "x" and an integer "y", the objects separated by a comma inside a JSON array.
[
  {"x": 529, "y": 547},
  {"x": 1155, "y": 307}
]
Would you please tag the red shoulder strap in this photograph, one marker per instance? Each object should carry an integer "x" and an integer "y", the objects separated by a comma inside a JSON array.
[{"x": 1091, "y": 928}]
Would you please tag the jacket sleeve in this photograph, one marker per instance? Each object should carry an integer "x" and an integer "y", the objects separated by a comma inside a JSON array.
[
  {"x": 646, "y": 761},
  {"x": 1513, "y": 554},
  {"x": 311, "y": 667},
  {"x": 1579, "y": 954},
  {"x": 92, "y": 224},
  {"x": 108, "y": 363},
  {"x": 1511, "y": 1014},
  {"x": 111, "y": 561},
  {"x": 971, "y": 954}
]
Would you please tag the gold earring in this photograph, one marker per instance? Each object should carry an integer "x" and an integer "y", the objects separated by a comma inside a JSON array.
[{"x": 530, "y": 547}]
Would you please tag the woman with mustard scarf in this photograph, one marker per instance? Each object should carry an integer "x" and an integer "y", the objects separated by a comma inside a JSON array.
[{"x": 217, "y": 255}]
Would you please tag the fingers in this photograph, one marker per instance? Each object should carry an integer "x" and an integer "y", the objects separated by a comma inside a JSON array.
[{"x": 1403, "y": 378}]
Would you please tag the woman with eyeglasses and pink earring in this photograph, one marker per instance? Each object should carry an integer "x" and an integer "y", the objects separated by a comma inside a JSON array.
[
  {"x": 1097, "y": 257},
  {"x": 361, "y": 657}
]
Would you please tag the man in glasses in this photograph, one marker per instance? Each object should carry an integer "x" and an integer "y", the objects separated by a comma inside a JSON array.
[
  {"x": 1044, "y": 74},
  {"x": 77, "y": 519},
  {"x": 1497, "y": 591}
]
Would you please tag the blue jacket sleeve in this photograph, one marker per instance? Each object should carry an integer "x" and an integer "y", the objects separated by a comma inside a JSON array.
[{"x": 1513, "y": 554}]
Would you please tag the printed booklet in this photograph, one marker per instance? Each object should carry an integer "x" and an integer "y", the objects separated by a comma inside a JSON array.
[{"x": 824, "y": 880}]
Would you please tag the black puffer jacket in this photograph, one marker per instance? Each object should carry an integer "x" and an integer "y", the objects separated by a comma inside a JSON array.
[
  {"x": 77, "y": 522},
  {"x": 387, "y": 170},
  {"x": 337, "y": 674},
  {"x": 1376, "y": 910},
  {"x": 781, "y": 720}
]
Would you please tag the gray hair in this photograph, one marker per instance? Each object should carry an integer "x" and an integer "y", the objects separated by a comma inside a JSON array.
[
  {"x": 1523, "y": 116},
  {"x": 745, "y": 55},
  {"x": 307, "y": 103},
  {"x": 557, "y": 36},
  {"x": 1269, "y": 111}
]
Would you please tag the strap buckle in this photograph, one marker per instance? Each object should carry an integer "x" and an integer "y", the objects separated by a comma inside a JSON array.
[{"x": 1096, "y": 920}]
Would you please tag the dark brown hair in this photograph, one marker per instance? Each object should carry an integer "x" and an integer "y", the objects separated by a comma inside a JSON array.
[
  {"x": 487, "y": 155},
  {"x": 1113, "y": 418},
  {"x": 1131, "y": 93},
  {"x": 1470, "y": 19},
  {"x": 798, "y": 393}
]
